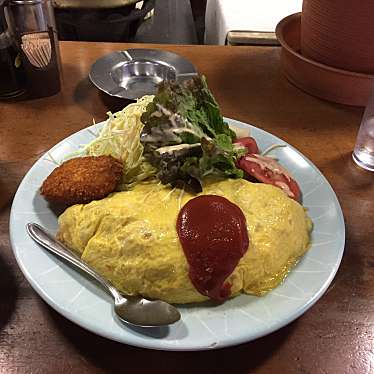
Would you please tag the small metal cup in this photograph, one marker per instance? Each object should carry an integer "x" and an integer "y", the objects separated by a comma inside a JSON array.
[{"x": 363, "y": 154}]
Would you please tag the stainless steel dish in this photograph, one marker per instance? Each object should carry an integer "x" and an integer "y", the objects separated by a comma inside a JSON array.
[{"x": 134, "y": 73}]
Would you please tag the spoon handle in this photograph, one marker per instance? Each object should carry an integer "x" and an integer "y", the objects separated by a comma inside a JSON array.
[{"x": 42, "y": 237}]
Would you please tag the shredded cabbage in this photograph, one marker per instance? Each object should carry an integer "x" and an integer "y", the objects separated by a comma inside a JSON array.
[{"x": 120, "y": 138}]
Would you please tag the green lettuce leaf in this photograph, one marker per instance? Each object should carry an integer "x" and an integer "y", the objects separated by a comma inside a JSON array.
[{"x": 185, "y": 136}]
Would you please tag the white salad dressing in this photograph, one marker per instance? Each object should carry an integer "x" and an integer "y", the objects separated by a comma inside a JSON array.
[{"x": 268, "y": 163}]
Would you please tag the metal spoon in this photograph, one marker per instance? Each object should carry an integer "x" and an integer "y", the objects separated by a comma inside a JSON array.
[{"x": 134, "y": 310}]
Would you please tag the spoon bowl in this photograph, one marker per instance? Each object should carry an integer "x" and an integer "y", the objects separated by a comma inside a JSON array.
[
  {"x": 145, "y": 313},
  {"x": 134, "y": 310}
]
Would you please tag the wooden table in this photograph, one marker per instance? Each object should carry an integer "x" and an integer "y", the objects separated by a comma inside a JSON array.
[{"x": 334, "y": 336}]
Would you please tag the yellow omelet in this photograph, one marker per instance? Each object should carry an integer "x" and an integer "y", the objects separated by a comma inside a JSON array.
[{"x": 130, "y": 238}]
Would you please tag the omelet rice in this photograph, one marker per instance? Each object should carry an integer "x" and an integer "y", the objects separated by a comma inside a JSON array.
[{"x": 130, "y": 238}]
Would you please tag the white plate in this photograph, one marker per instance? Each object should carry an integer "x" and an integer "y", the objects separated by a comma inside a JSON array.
[{"x": 239, "y": 320}]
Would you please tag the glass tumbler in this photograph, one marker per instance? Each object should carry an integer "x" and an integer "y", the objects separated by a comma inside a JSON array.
[{"x": 363, "y": 154}]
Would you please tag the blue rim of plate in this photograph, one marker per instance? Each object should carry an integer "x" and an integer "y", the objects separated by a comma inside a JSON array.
[{"x": 239, "y": 320}]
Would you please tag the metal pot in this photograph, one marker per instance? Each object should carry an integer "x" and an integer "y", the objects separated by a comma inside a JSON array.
[
  {"x": 92, "y": 4},
  {"x": 118, "y": 24}
]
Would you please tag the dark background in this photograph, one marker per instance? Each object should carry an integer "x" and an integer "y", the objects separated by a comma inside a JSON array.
[{"x": 172, "y": 22}]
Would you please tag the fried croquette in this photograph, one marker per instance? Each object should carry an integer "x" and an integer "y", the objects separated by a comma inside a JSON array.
[{"x": 82, "y": 179}]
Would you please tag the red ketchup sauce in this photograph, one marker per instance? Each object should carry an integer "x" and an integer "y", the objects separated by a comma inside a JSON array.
[{"x": 213, "y": 234}]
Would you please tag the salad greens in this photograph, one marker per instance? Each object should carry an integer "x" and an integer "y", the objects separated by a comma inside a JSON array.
[{"x": 185, "y": 137}]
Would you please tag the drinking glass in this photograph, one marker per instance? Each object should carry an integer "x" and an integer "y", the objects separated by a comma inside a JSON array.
[{"x": 363, "y": 154}]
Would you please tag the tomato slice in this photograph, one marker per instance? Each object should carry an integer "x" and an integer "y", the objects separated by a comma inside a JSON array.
[
  {"x": 249, "y": 143},
  {"x": 267, "y": 170}
]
